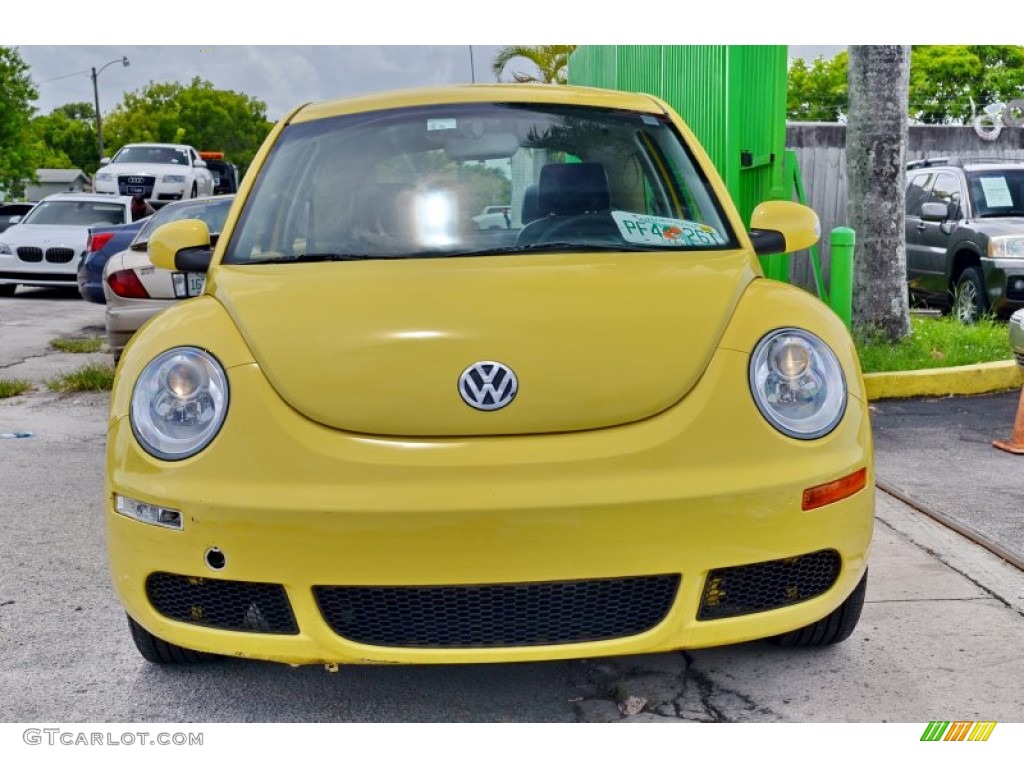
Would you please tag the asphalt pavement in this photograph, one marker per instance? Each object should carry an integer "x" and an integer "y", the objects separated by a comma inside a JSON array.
[{"x": 936, "y": 454}]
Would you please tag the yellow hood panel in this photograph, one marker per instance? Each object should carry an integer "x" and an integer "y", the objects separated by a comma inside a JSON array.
[{"x": 378, "y": 347}]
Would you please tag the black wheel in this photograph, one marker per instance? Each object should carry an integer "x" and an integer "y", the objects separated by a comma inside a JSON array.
[
  {"x": 8, "y": 289},
  {"x": 195, "y": 190},
  {"x": 158, "y": 651},
  {"x": 970, "y": 301},
  {"x": 832, "y": 629}
]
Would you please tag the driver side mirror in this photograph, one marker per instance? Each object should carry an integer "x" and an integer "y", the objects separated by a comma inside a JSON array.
[{"x": 936, "y": 211}]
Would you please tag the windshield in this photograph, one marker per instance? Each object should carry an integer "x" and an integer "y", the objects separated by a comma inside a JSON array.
[
  {"x": 77, "y": 213},
  {"x": 213, "y": 212},
  {"x": 160, "y": 155},
  {"x": 477, "y": 179},
  {"x": 997, "y": 192}
]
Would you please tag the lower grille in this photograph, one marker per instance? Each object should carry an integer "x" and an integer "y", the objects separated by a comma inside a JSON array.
[
  {"x": 30, "y": 254},
  {"x": 59, "y": 255},
  {"x": 763, "y": 586},
  {"x": 243, "y": 606},
  {"x": 498, "y": 615}
]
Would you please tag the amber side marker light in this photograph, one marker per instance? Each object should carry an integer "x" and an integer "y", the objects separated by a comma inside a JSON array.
[{"x": 820, "y": 495}]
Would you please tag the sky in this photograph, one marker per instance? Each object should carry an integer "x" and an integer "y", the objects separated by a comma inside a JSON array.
[
  {"x": 282, "y": 76},
  {"x": 302, "y": 50},
  {"x": 285, "y": 54}
]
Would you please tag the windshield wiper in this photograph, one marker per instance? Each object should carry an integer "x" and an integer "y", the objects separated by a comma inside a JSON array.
[
  {"x": 561, "y": 245},
  {"x": 1000, "y": 214},
  {"x": 311, "y": 257}
]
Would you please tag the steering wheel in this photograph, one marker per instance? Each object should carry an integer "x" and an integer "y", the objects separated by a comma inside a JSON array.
[{"x": 583, "y": 226}]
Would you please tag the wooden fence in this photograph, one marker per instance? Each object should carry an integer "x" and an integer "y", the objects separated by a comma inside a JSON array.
[{"x": 820, "y": 150}]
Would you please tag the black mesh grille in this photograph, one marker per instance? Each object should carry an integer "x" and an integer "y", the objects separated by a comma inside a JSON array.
[
  {"x": 243, "y": 606},
  {"x": 498, "y": 615},
  {"x": 29, "y": 253},
  {"x": 59, "y": 255},
  {"x": 764, "y": 586}
]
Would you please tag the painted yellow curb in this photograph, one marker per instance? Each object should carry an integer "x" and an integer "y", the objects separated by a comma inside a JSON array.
[{"x": 960, "y": 380}]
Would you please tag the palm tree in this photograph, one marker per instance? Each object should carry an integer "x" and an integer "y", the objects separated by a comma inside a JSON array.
[
  {"x": 552, "y": 62},
  {"x": 876, "y": 140}
]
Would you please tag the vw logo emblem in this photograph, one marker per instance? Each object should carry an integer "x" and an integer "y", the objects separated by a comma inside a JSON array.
[{"x": 488, "y": 385}]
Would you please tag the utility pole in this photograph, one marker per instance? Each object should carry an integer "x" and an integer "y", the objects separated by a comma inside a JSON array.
[{"x": 96, "y": 95}]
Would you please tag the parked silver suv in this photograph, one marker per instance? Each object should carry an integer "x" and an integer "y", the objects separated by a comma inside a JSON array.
[
  {"x": 965, "y": 235},
  {"x": 1017, "y": 335}
]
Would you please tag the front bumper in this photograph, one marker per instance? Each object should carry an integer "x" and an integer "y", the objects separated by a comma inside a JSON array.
[
  {"x": 288, "y": 506},
  {"x": 1005, "y": 281},
  {"x": 53, "y": 266}
]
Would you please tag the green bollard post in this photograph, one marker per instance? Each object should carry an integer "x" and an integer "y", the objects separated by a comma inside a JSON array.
[{"x": 840, "y": 290}]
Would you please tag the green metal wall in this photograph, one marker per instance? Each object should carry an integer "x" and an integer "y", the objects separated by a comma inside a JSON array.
[{"x": 733, "y": 97}]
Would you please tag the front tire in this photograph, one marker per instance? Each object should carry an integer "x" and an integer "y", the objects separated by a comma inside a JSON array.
[
  {"x": 832, "y": 629},
  {"x": 157, "y": 651},
  {"x": 970, "y": 300},
  {"x": 195, "y": 191}
]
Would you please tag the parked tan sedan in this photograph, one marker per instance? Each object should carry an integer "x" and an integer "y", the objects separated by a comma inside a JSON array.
[{"x": 136, "y": 290}]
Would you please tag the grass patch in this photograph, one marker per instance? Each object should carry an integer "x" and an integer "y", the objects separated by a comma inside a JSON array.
[
  {"x": 95, "y": 377},
  {"x": 93, "y": 344},
  {"x": 936, "y": 342},
  {"x": 12, "y": 387}
]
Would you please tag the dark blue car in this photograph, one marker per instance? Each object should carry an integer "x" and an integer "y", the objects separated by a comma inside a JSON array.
[{"x": 104, "y": 242}]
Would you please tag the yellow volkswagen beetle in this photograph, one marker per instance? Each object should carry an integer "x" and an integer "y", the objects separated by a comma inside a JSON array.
[{"x": 385, "y": 435}]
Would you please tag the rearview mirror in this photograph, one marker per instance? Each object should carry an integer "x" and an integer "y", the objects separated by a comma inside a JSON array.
[{"x": 491, "y": 146}]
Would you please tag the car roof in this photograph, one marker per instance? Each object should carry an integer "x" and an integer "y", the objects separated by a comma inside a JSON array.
[
  {"x": 85, "y": 196},
  {"x": 528, "y": 93},
  {"x": 965, "y": 163}
]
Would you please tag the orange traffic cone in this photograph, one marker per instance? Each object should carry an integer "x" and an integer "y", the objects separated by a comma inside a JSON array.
[{"x": 1016, "y": 443}]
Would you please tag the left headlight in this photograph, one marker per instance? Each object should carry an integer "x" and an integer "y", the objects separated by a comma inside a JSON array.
[
  {"x": 173, "y": 179},
  {"x": 179, "y": 403},
  {"x": 1006, "y": 247},
  {"x": 797, "y": 383}
]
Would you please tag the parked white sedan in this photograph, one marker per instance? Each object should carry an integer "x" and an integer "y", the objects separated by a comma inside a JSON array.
[
  {"x": 45, "y": 247},
  {"x": 159, "y": 172},
  {"x": 135, "y": 290}
]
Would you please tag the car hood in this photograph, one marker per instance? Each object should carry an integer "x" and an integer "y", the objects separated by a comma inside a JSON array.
[
  {"x": 146, "y": 169},
  {"x": 1000, "y": 225},
  {"x": 47, "y": 236},
  {"x": 378, "y": 347}
]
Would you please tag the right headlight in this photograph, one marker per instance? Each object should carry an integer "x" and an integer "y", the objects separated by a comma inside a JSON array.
[
  {"x": 797, "y": 383},
  {"x": 6, "y": 249},
  {"x": 179, "y": 403}
]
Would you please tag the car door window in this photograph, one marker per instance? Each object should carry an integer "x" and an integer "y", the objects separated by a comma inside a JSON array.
[
  {"x": 946, "y": 190},
  {"x": 917, "y": 193}
]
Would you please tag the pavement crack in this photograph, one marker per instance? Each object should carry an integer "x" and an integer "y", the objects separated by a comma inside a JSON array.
[{"x": 942, "y": 559}]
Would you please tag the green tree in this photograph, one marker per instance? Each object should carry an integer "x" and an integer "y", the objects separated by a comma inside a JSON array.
[
  {"x": 198, "y": 114},
  {"x": 18, "y": 160},
  {"x": 551, "y": 62},
  {"x": 951, "y": 83},
  {"x": 817, "y": 92},
  {"x": 67, "y": 137}
]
